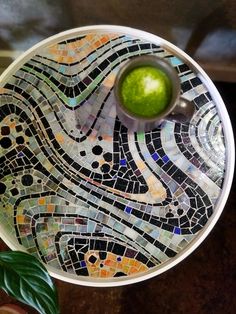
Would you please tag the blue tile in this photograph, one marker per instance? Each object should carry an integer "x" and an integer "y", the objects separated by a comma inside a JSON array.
[
  {"x": 72, "y": 102},
  {"x": 128, "y": 210},
  {"x": 155, "y": 156},
  {"x": 165, "y": 159},
  {"x": 82, "y": 264},
  {"x": 62, "y": 69},
  {"x": 177, "y": 230},
  {"x": 21, "y": 154},
  {"x": 123, "y": 162},
  {"x": 175, "y": 61},
  {"x": 146, "y": 155},
  {"x": 91, "y": 57}
]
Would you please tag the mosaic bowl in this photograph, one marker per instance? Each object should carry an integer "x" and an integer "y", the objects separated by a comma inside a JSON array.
[{"x": 99, "y": 204}]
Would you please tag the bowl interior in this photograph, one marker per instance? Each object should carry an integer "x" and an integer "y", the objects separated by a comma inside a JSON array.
[{"x": 100, "y": 205}]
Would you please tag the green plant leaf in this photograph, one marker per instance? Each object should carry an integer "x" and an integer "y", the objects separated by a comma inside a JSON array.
[{"x": 26, "y": 279}]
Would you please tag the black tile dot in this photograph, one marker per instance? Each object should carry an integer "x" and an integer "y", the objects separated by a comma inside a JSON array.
[
  {"x": 83, "y": 153},
  {"x": 14, "y": 192},
  {"x": 5, "y": 142},
  {"x": 28, "y": 132},
  {"x": 100, "y": 138},
  {"x": 5, "y": 130},
  {"x": 97, "y": 150},
  {"x": 2, "y": 188},
  {"x": 18, "y": 128},
  {"x": 107, "y": 157},
  {"x": 180, "y": 211},
  {"x": 105, "y": 168},
  {"x": 95, "y": 164},
  {"x": 20, "y": 140},
  {"x": 92, "y": 259},
  {"x": 27, "y": 180}
]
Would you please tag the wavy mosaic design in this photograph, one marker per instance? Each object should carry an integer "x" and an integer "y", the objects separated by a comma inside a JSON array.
[{"x": 82, "y": 192}]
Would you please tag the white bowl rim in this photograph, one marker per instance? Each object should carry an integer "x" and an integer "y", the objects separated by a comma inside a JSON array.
[{"x": 229, "y": 142}]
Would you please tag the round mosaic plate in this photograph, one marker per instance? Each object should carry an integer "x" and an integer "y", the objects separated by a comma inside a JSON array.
[{"x": 98, "y": 204}]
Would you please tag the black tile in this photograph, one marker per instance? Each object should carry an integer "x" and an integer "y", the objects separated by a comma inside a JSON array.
[
  {"x": 100, "y": 245},
  {"x": 196, "y": 81},
  {"x": 118, "y": 249},
  {"x": 122, "y": 51},
  {"x": 137, "y": 213},
  {"x": 145, "y": 46},
  {"x": 148, "y": 237},
  {"x": 170, "y": 253},
  {"x": 5, "y": 130},
  {"x": 141, "y": 258},
  {"x": 113, "y": 57},
  {"x": 190, "y": 213},
  {"x": 14, "y": 192},
  {"x": 185, "y": 86},
  {"x": 206, "y": 200},
  {"x": 202, "y": 221},
  {"x": 155, "y": 222},
  {"x": 172, "y": 170},
  {"x": 94, "y": 73},
  {"x": 103, "y": 65},
  {"x": 201, "y": 100},
  {"x": 167, "y": 227},
  {"x": 179, "y": 176},
  {"x": 159, "y": 245},
  {"x": 82, "y": 272},
  {"x": 183, "y": 68},
  {"x": 167, "y": 166},
  {"x": 196, "y": 229},
  {"x": 133, "y": 48}
]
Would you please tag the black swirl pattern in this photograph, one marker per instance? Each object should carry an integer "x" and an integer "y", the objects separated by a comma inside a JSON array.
[{"x": 82, "y": 192}]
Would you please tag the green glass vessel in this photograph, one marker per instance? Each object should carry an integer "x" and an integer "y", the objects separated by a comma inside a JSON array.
[{"x": 146, "y": 91}]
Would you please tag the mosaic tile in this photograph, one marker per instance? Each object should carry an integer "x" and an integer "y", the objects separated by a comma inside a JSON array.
[{"x": 78, "y": 189}]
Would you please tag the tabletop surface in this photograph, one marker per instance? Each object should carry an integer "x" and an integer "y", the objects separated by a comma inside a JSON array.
[{"x": 83, "y": 193}]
